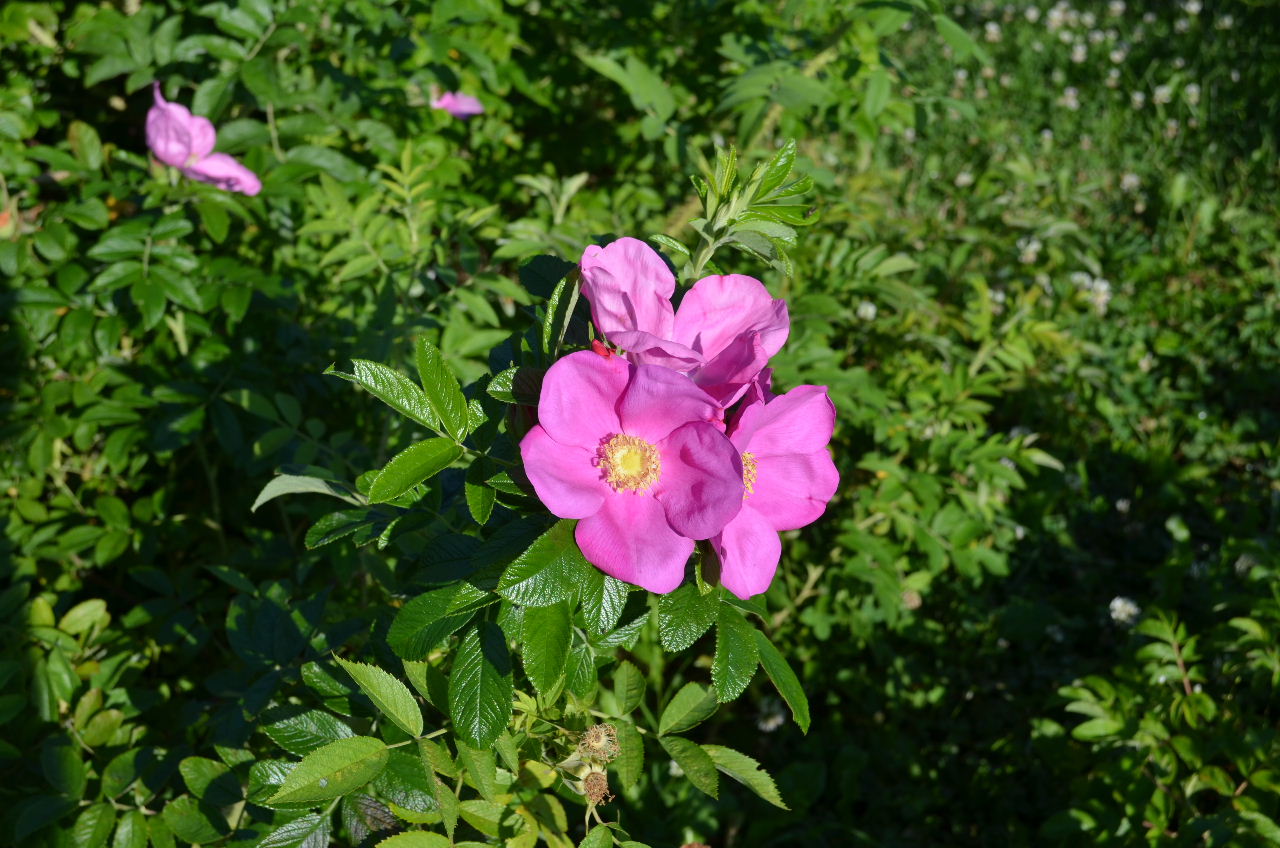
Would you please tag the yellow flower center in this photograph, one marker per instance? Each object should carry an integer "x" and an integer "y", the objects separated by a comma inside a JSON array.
[
  {"x": 630, "y": 463},
  {"x": 749, "y": 472}
]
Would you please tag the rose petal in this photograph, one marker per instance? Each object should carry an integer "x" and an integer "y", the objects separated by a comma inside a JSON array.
[
  {"x": 719, "y": 309},
  {"x": 629, "y": 288},
  {"x": 458, "y": 105},
  {"x": 226, "y": 173},
  {"x": 168, "y": 134},
  {"x": 579, "y": 398},
  {"x": 658, "y": 400},
  {"x": 564, "y": 476},
  {"x": 749, "y": 550},
  {"x": 792, "y": 491},
  {"x": 203, "y": 137},
  {"x": 647, "y": 349},
  {"x": 798, "y": 422},
  {"x": 728, "y": 376},
  {"x": 629, "y": 539},
  {"x": 701, "y": 483}
]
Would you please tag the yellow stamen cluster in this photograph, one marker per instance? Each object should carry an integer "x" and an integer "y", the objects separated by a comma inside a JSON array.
[
  {"x": 749, "y": 472},
  {"x": 630, "y": 463}
]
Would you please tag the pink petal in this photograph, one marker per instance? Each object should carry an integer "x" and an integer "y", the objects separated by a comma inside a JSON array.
[
  {"x": 647, "y": 349},
  {"x": 564, "y": 476},
  {"x": 749, "y": 550},
  {"x": 458, "y": 105},
  {"x": 579, "y": 397},
  {"x": 168, "y": 130},
  {"x": 226, "y": 173},
  {"x": 658, "y": 400},
  {"x": 792, "y": 491},
  {"x": 798, "y": 422},
  {"x": 203, "y": 136},
  {"x": 701, "y": 484},
  {"x": 719, "y": 309},
  {"x": 629, "y": 539},
  {"x": 629, "y": 287},
  {"x": 728, "y": 376}
]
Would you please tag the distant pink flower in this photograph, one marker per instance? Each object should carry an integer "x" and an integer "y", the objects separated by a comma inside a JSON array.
[
  {"x": 185, "y": 141},
  {"x": 458, "y": 105},
  {"x": 723, "y": 334},
  {"x": 632, "y": 451},
  {"x": 789, "y": 478}
]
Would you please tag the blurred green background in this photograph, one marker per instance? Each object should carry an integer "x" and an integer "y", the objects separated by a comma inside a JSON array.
[{"x": 1041, "y": 282}]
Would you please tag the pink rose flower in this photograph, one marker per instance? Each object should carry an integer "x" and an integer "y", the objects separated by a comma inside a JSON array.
[
  {"x": 458, "y": 105},
  {"x": 722, "y": 335},
  {"x": 634, "y": 453},
  {"x": 789, "y": 478},
  {"x": 185, "y": 141}
]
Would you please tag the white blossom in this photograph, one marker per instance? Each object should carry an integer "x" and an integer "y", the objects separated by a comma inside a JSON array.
[
  {"x": 1235, "y": 75},
  {"x": 1225, "y": 22},
  {"x": 992, "y": 32},
  {"x": 1088, "y": 19},
  {"x": 1115, "y": 8},
  {"x": 1179, "y": 63},
  {"x": 1097, "y": 36},
  {"x": 771, "y": 715},
  {"x": 867, "y": 311},
  {"x": 1171, "y": 129},
  {"x": 1124, "y": 611},
  {"x": 1123, "y": 505},
  {"x": 1149, "y": 18},
  {"x": 1137, "y": 98},
  {"x": 1192, "y": 93},
  {"x": 1118, "y": 55},
  {"x": 1029, "y": 250},
  {"x": 1113, "y": 78},
  {"x": 1162, "y": 94},
  {"x": 1130, "y": 183},
  {"x": 1182, "y": 25},
  {"x": 1032, "y": 14},
  {"x": 1079, "y": 53},
  {"x": 1192, "y": 7},
  {"x": 1070, "y": 98}
]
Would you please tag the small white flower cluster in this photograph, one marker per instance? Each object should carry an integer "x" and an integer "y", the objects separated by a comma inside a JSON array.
[
  {"x": 1029, "y": 249},
  {"x": 1079, "y": 53},
  {"x": 1192, "y": 7},
  {"x": 1115, "y": 8},
  {"x": 1162, "y": 95},
  {"x": 1138, "y": 99},
  {"x": 1113, "y": 78},
  {"x": 1192, "y": 93},
  {"x": 771, "y": 714},
  {"x": 1225, "y": 22},
  {"x": 991, "y": 32},
  {"x": 1130, "y": 182},
  {"x": 1097, "y": 288},
  {"x": 867, "y": 311},
  {"x": 1070, "y": 98},
  {"x": 964, "y": 179},
  {"x": 1124, "y": 611}
]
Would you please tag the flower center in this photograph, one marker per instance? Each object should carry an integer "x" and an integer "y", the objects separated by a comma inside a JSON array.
[
  {"x": 749, "y": 472},
  {"x": 630, "y": 463}
]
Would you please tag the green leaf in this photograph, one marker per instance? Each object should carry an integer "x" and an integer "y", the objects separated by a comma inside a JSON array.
[
  {"x": 291, "y": 484},
  {"x": 392, "y": 388},
  {"x": 778, "y": 168},
  {"x": 195, "y": 821},
  {"x": 696, "y": 763},
  {"x": 736, "y": 654},
  {"x": 210, "y": 780},
  {"x": 93, "y": 826},
  {"x": 628, "y": 687},
  {"x": 302, "y": 731},
  {"x": 603, "y": 599},
  {"x": 85, "y": 144},
  {"x": 443, "y": 393},
  {"x": 334, "y": 770},
  {"x": 549, "y": 571},
  {"x": 131, "y": 832},
  {"x": 684, "y": 615},
  {"x": 691, "y": 706},
  {"x": 483, "y": 769},
  {"x": 480, "y": 686},
  {"x": 305, "y": 832},
  {"x": 411, "y": 466},
  {"x": 599, "y": 837},
  {"x": 629, "y": 764},
  {"x": 61, "y": 763},
  {"x": 415, "y": 839},
  {"x": 545, "y": 634},
  {"x": 784, "y": 680},
  {"x": 392, "y": 698},
  {"x": 1097, "y": 728},
  {"x": 960, "y": 41},
  {"x": 428, "y": 618},
  {"x": 480, "y": 497},
  {"x": 746, "y": 771}
]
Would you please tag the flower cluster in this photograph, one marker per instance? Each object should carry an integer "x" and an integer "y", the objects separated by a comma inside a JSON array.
[{"x": 673, "y": 435}]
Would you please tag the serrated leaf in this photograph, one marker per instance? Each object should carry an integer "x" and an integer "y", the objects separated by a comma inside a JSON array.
[
  {"x": 392, "y": 388},
  {"x": 131, "y": 832},
  {"x": 599, "y": 837},
  {"x": 784, "y": 680},
  {"x": 778, "y": 168},
  {"x": 415, "y": 839},
  {"x": 629, "y": 764},
  {"x": 736, "y": 654},
  {"x": 603, "y": 599},
  {"x": 696, "y": 763},
  {"x": 1097, "y": 728},
  {"x": 442, "y": 390},
  {"x": 628, "y": 686},
  {"x": 309, "y": 831},
  {"x": 480, "y": 685},
  {"x": 412, "y": 466},
  {"x": 292, "y": 484},
  {"x": 544, "y": 645},
  {"x": 363, "y": 815},
  {"x": 333, "y": 770},
  {"x": 691, "y": 706},
  {"x": 482, "y": 769},
  {"x": 194, "y": 821},
  {"x": 93, "y": 826},
  {"x": 480, "y": 497},
  {"x": 549, "y": 570},
  {"x": 746, "y": 771},
  {"x": 210, "y": 780},
  {"x": 392, "y": 698},
  {"x": 302, "y": 731},
  {"x": 684, "y": 615},
  {"x": 433, "y": 615}
]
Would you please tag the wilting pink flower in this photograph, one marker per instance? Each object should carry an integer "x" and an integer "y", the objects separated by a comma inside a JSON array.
[
  {"x": 185, "y": 141},
  {"x": 634, "y": 453},
  {"x": 788, "y": 476},
  {"x": 722, "y": 335},
  {"x": 457, "y": 104}
]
